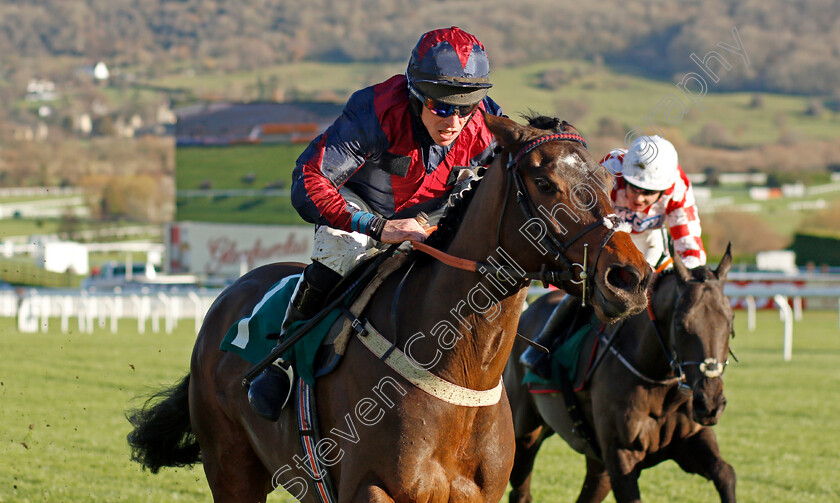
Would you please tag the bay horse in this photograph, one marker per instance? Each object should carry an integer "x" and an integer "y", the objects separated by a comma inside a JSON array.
[
  {"x": 386, "y": 440},
  {"x": 651, "y": 399}
]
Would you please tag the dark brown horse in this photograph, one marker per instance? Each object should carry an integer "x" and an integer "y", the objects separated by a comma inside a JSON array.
[
  {"x": 386, "y": 440},
  {"x": 640, "y": 411}
]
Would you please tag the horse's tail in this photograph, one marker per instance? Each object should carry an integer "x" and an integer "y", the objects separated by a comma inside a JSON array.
[{"x": 162, "y": 435}]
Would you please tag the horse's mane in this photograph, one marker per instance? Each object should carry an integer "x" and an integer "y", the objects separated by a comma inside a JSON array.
[
  {"x": 544, "y": 122},
  {"x": 700, "y": 274},
  {"x": 658, "y": 279},
  {"x": 456, "y": 206}
]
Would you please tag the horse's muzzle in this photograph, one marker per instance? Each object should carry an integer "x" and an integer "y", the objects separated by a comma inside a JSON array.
[
  {"x": 707, "y": 407},
  {"x": 620, "y": 292}
]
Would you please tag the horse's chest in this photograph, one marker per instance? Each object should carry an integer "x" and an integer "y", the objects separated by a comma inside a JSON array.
[
  {"x": 651, "y": 424},
  {"x": 433, "y": 482},
  {"x": 463, "y": 461}
]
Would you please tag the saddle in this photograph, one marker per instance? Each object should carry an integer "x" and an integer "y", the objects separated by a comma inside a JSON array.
[
  {"x": 334, "y": 344},
  {"x": 573, "y": 355},
  {"x": 319, "y": 351},
  {"x": 572, "y": 366}
]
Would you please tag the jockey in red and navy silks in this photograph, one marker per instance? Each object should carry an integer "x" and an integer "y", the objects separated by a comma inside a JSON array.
[
  {"x": 392, "y": 153},
  {"x": 381, "y": 151},
  {"x": 652, "y": 193}
]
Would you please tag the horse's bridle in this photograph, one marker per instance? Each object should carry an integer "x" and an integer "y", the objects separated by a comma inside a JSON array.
[
  {"x": 558, "y": 249},
  {"x": 549, "y": 241},
  {"x": 709, "y": 367}
]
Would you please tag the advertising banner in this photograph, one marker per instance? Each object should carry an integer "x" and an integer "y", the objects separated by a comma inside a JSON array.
[{"x": 230, "y": 250}]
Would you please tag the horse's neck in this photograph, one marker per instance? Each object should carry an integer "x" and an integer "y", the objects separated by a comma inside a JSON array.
[
  {"x": 483, "y": 310},
  {"x": 649, "y": 353}
]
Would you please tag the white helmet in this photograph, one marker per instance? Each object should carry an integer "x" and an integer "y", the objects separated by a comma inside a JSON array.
[{"x": 651, "y": 163}]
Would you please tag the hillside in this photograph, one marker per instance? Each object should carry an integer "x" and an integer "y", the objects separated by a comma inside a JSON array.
[{"x": 792, "y": 46}]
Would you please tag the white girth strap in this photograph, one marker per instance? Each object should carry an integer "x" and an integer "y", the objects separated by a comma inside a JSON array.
[{"x": 425, "y": 380}]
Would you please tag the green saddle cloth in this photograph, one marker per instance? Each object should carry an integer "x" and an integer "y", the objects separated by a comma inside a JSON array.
[
  {"x": 248, "y": 337},
  {"x": 563, "y": 359}
]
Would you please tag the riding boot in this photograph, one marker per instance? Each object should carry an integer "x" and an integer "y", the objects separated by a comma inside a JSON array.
[
  {"x": 537, "y": 361},
  {"x": 271, "y": 390}
]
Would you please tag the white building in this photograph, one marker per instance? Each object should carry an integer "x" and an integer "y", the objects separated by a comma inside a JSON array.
[{"x": 101, "y": 72}]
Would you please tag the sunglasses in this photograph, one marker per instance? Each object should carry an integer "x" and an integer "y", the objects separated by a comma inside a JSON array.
[
  {"x": 639, "y": 190},
  {"x": 443, "y": 109}
]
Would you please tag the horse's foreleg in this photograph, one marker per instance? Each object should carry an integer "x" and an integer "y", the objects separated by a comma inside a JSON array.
[
  {"x": 523, "y": 463},
  {"x": 623, "y": 466},
  {"x": 596, "y": 485},
  {"x": 700, "y": 454}
]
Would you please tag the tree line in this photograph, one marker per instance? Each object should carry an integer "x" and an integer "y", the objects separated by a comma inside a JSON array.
[{"x": 793, "y": 47}]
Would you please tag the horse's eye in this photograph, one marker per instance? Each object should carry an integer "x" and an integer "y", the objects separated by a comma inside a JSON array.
[{"x": 545, "y": 186}]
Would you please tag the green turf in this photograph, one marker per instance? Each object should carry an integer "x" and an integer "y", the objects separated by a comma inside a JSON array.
[
  {"x": 239, "y": 210},
  {"x": 631, "y": 99},
  {"x": 26, "y": 227},
  {"x": 224, "y": 167},
  {"x": 775, "y": 212},
  {"x": 305, "y": 77},
  {"x": 63, "y": 396},
  {"x": 20, "y": 270},
  {"x": 12, "y": 227}
]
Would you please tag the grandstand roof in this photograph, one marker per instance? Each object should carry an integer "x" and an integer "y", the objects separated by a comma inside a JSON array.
[{"x": 225, "y": 123}]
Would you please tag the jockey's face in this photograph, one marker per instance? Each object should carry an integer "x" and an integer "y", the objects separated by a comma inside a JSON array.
[
  {"x": 443, "y": 130},
  {"x": 639, "y": 199}
]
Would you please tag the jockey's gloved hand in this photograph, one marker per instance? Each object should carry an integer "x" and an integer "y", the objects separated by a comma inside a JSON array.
[{"x": 405, "y": 229}]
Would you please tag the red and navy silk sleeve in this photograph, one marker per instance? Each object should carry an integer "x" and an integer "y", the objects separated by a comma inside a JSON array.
[{"x": 330, "y": 160}]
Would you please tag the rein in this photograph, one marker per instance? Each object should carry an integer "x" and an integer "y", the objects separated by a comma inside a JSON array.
[{"x": 556, "y": 247}]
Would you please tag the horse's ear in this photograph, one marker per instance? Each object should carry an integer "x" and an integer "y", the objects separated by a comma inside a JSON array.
[
  {"x": 683, "y": 274},
  {"x": 569, "y": 128},
  {"x": 725, "y": 263},
  {"x": 508, "y": 133}
]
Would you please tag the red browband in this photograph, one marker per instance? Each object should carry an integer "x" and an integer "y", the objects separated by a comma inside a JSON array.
[{"x": 549, "y": 137}]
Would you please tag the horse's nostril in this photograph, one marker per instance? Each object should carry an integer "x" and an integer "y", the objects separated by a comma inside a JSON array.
[{"x": 623, "y": 278}]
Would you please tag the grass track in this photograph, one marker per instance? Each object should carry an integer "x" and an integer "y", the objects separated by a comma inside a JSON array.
[
  {"x": 224, "y": 168},
  {"x": 63, "y": 395}
]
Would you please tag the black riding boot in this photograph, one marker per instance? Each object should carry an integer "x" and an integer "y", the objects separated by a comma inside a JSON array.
[
  {"x": 538, "y": 362},
  {"x": 271, "y": 390}
]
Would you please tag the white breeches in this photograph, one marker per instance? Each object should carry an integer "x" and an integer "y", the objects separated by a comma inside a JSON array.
[{"x": 341, "y": 250}]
